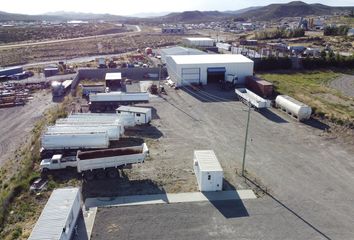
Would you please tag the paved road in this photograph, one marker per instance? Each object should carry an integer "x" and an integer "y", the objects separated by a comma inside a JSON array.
[
  {"x": 250, "y": 219},
  {"x": 136, "y": 28}
]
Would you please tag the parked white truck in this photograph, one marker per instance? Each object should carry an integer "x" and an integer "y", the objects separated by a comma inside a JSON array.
[{"x": 99, "y": 163}]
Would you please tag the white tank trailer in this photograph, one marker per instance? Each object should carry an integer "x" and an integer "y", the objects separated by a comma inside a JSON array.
[
  {"x": 114, "y": 132},
  {"x": 90, "y": 140},
  {"x": 293, "y": 107}
]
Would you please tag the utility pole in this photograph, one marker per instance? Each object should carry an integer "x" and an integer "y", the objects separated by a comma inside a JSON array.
[{"x": 246, "y": 136}]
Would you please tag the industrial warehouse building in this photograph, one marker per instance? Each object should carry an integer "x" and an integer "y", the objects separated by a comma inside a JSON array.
[
  {"x": 199, "y": 41},
  {"x": 178, "y": 51},
  {"x": 210, "y": 68}
]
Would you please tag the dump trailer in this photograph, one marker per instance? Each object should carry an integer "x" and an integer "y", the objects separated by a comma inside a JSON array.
[
  {"x": 114, "y": 132},
  {"x": 79, "y": 140},
  {"x": 99, "y": 163},
  {"x": 109, "y": 102},
  {"x": 249, "y": 97}
]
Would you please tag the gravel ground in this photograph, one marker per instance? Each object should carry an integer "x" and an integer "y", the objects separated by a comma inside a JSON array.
[
  {"x": 345, "y": 84},
  {"x": 305, "y": 170},
  {"x": 17, "y": 122}
]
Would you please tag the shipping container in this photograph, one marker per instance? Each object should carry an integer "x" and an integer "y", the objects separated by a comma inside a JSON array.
[
  {"x": 259, "y": 86},
  {"x": 208, "y": 170}
]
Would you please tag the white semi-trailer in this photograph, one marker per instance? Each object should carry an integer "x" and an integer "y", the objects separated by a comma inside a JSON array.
[
  {"x": 109, "y": 102},
  {"x": 293, "y": 107},
  {"x": 114, "y": 132},
  {"x": 249, "y": 97},
  {"x": 99, "y": 163},
  {"x": 88, "y": 140}
]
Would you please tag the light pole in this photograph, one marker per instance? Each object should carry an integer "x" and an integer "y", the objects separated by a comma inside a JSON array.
[{"x": 246, "y": 136}]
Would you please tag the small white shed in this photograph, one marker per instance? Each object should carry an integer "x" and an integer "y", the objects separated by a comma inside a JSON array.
[
  {"x": 141, "y": 115},
  {"x": 208, "y": 170},
  {"x": 59, "y": 216}
]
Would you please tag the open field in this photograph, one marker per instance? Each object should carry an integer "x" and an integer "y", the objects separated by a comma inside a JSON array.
[
  {"x": 15, "y": 34},
  {"x": 112, "y": 44},
  {"x": 313, "y": 88},
  {"x": 308, "y": 173}
]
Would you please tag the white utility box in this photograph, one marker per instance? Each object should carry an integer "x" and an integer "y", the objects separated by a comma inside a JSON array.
[{"x": 208, "y": 170}]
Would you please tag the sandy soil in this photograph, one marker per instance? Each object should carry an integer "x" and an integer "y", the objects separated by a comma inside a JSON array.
[{"x": 16, "y": 123}]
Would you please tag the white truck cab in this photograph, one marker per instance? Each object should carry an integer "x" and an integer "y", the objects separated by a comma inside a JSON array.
[{"x": 58, "y": 162}]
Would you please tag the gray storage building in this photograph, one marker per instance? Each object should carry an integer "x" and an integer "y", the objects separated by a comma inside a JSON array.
[{"x": 59, "y": 216}]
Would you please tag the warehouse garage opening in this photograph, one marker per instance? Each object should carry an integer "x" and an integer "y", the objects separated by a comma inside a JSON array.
[{"x": 216, "y": 74}]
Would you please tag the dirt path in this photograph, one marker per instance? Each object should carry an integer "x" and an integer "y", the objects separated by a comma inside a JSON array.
[
  {"x": 16, "y": 123},
  {"x": 345, "y": 84}
]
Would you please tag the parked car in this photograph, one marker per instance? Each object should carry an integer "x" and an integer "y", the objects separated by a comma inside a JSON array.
[{"x": 38, "y": 185}]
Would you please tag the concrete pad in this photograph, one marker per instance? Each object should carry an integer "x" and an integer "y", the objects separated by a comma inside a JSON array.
[
  {"x": 169, "y": 198},
  {"x": 89, "y": 218}
]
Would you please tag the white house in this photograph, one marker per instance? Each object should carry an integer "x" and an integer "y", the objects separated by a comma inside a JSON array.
[{"x": 204, "y": 69}]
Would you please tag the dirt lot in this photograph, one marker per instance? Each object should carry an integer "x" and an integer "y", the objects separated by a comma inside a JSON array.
[
  {"x": 17, "y": 122},
  {"x": 116, "y": 44},
  {"x": 345, "y": 84},
  {"x": 309, "y": 173}
]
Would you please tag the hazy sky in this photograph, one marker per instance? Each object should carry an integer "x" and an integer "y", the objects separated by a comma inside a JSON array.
[{"x": 127, "y": 7}]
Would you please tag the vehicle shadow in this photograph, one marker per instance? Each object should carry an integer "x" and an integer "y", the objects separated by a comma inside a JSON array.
[
  {"x": 144, "y": 131},
  {"x": 272, "y": 116},
  {"x": 228, "y": 208},
  {"x": 209, "y": 93},
  {"x": 317, "y": 124},
  {"x": 108, "y": 189}
]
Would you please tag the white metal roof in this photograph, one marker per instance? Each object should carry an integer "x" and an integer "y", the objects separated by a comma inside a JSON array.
[
  {"x": 134, "y": 109},
  {"x": 54, "y": 215},
  {"x": 113, "y": 76},
  {"x": 210, "y": 59},
  {"x": 199, "y": 39},
  {"x": 207, "y": 160},
  {"x": 180, "y": 51}
]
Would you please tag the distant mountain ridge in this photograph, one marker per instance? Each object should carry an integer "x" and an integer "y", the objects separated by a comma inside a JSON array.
[
  {"x": 272, "y": 11},
  {"x": 291, "y": 9}
]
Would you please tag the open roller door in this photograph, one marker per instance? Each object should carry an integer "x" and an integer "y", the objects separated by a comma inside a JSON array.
[{"x": 216, "y": 74}]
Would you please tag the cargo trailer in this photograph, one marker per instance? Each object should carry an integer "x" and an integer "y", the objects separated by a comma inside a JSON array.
[
  {"x": 248, "y": 97},
  {"x": 260, "y": 87},
  {"x": 114, "y": 132},
  {"x": 69, "y": 140},
  {"x": 109, "y": 102},
  {"x": 141, "y": 115}
]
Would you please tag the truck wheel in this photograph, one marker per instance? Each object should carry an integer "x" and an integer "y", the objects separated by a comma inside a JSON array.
[
  {"x": 89, "y": 176},
  {"x": 112, "y": 173},
  {"x": 101, "y": 174}
]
